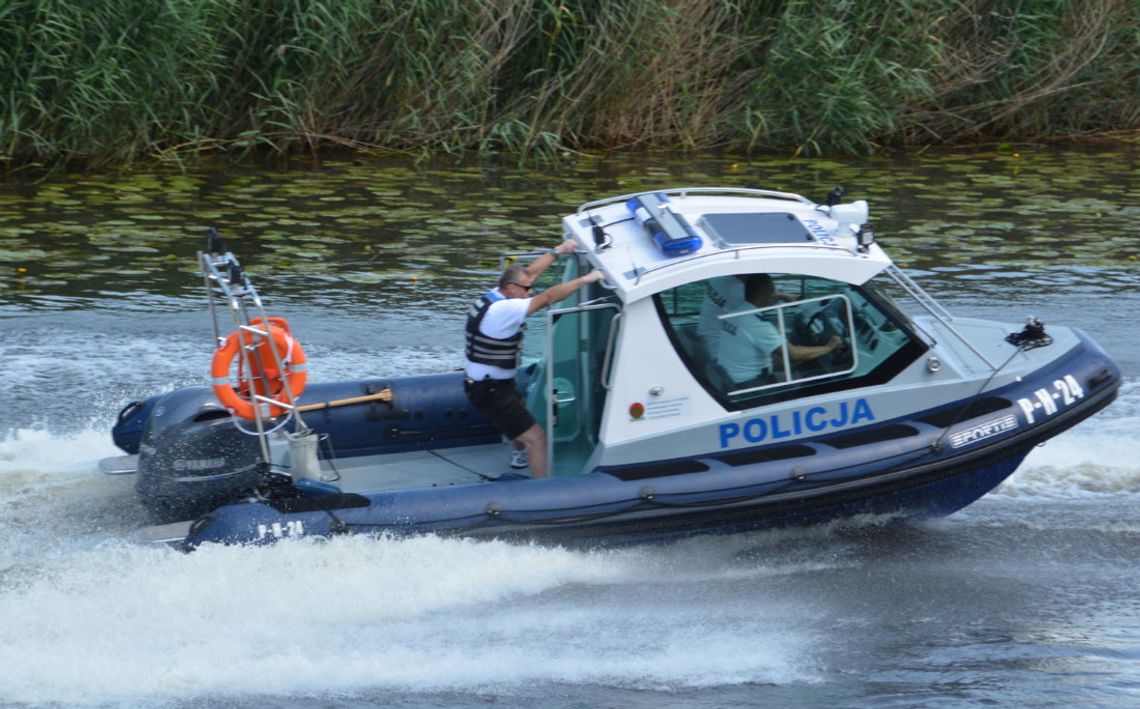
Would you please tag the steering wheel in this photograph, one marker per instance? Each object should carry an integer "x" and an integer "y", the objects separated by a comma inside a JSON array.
[{"x": 816, "y": 327}]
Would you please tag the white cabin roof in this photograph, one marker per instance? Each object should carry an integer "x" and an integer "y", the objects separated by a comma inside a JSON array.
[{"x": 741, "y": 230}]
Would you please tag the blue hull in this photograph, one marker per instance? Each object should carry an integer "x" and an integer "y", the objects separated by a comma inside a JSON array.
[
  {"x": 910, "y": 477},
  {"x": 647, "y": 518}
]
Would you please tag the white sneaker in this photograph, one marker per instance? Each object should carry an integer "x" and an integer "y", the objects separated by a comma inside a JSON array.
[{"x": 519, "y": 459}]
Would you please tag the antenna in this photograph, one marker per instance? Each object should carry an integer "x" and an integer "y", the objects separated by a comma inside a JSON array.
[{"x": 215, "y": 245}]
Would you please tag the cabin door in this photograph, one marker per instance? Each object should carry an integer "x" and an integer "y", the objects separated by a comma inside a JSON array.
[{"x": 579, "y": 345}]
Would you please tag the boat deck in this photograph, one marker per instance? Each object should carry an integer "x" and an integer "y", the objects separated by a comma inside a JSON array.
[{"x": 426, "y": 468}]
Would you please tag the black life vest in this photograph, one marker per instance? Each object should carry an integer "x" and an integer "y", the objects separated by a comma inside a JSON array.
[{"x": 491, "y": 351}]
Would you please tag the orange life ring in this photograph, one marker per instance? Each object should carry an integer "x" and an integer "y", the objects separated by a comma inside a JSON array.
[{"x": 264, "y": 378}]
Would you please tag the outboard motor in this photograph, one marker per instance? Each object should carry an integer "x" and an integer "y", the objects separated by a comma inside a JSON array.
[
  {"x": 192, "y": 458},
  {"x": 129, "y": 424}
]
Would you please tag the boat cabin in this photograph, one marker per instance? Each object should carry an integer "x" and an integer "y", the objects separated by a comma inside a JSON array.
[{"x": 664, "y": 352}]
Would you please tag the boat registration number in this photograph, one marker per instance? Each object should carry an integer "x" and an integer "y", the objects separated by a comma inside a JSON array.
[
  {"x": 1047, "y": 401},
  {"x": 292, "y": 528}
]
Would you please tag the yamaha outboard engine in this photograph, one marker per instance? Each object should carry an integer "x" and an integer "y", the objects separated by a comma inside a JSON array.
[{"x": 192, "y": 458}]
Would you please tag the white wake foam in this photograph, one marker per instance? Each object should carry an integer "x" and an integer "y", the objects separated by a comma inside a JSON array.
[
  {"x": 123, "y": 623},
  {"x": 1099, "y": 455},
  {"x": 88, "y": 619}
]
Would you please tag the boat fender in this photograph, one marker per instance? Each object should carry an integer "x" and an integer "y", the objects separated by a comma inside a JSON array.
[{"x": 264, "y": 379}]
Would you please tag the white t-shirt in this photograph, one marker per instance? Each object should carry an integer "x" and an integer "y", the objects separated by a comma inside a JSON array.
[
  {"x": 746, "y": 345},
  {"x": 503, "y": 319},
  {"x": 724, "y": 293}
]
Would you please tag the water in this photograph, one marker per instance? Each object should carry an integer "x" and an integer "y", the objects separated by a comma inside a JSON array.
[{"x": 1027, "y": 597}]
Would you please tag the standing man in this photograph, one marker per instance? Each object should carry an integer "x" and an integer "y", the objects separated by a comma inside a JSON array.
[{"x": 495, "y": 325}]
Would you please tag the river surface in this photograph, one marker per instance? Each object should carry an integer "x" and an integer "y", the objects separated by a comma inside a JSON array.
[{"x": 1028, "y": 597}]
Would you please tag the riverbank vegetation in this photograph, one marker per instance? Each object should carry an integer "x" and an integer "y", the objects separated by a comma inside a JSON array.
[{"x": 115, "y": 81}]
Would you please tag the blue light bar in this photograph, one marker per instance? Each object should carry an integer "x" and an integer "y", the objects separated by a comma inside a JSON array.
[{"x": 672, "y": 234}]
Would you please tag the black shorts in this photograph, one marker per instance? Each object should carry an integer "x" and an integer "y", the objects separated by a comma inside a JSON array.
[{"x": 504, "y": 406}]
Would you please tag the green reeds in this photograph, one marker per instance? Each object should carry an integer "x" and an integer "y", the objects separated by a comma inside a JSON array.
[{"x": 111, "y": 81}]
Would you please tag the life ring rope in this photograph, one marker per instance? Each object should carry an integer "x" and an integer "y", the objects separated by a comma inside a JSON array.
[{"x": 276, "y": 376}]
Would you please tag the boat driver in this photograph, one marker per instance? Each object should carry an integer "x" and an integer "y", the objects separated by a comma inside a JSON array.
[
  {"x": 495, "y": 324},
  {"x": 749, "y": 343}
]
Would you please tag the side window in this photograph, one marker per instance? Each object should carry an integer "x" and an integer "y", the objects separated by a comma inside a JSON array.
[
  {"x": 681, "y": 308},
  {"x": 764, "y": 337}
]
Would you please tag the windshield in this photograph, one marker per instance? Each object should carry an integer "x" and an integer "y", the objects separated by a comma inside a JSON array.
[{"x": 760, "y": 337}]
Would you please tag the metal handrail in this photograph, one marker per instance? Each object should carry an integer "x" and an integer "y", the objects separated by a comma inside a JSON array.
[
  {"x": 935, "y": 309},
  {"x": 734, "y": 253},
  {"x": 224, "y": 276},
  {"x": 915, "y": 291},
  {"x": 685, "y": 191}
]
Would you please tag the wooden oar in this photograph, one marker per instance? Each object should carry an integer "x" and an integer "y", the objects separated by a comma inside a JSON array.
[{"x": 382, "y": 395}]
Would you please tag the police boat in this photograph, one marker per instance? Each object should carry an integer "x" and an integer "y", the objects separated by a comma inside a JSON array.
[{"x": 860, "y": 395}]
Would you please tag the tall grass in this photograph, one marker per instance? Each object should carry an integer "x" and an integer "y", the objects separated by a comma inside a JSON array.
[
  {"x": 111, "y": 81},
  {"x": 1034, "y": 69}
]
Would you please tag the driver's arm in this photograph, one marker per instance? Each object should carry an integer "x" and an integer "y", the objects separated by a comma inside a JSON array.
[{"x": 806, "y": 353}]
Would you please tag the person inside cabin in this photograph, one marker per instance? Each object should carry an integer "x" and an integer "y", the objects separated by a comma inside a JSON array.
[
  {"x": 722, "y": 294},
  {"x": 751, "y": 347},
  {"x": 495, "y": 323}
]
